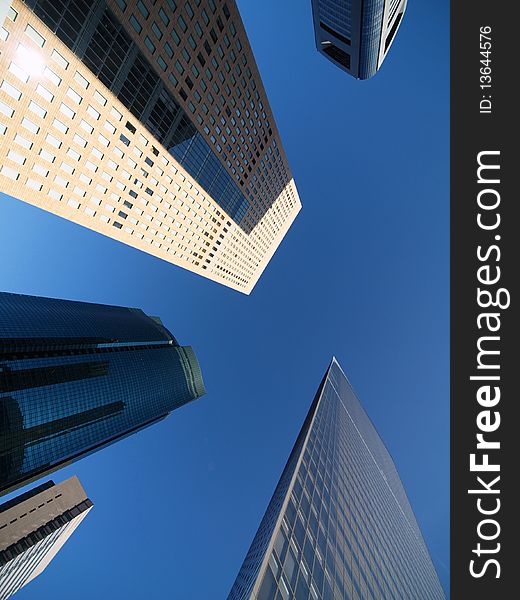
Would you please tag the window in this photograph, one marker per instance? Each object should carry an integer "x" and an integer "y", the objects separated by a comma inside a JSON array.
[
  {"x": 74, "y": 96},
  {"x": 8, "y": 172},
  {"x": 79, "y": 140},
  {"x": 16, "y": 157},
  {"x": 78, "y": 77},
  {"x": 66, "y": 110},
  {"x": 51, "y": 76},
  {"x": 55, "y": 195},
  {"x": 135, "y": 24},
  {"x": 168, "y": 49},
  {"x": 80, "y": 192},
  {"x": 22, "y": 141},
  {"x": 149, "y": 44},
  {"x": 29, "y": 125},
  {"x": 192, "y": 42},
  {"x": 58, "y": 58},
  {"x": 103, "y": 140},
  {"x": 53, "y": 141},
  {"x": 93, "y": 112},
  {"x": 35, "y": 185},
  {"x": 182, "y": 23},
  {"x": 175, "y": 37},
  {"x": 100, "y": 98},
  {"x": 164, "y": 17},
  {"x": 11, "y": 90},
  {"x": 162, "y": 63},
  {"x": 142, "y": 9},
  {"x": 18, "y": 72},
  {"x": 73, "y": 154},
  {"x": 44, "y": 93},
  {"x": 60, "y": 126},
  {"x": 156, "y": 29},
  {"x": 35, "y": 36}
]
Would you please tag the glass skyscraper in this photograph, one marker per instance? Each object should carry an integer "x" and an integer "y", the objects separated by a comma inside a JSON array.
[
  {"x": 148, "y": 122},
  {"x": 339, "y": 525},
  {"x": 75, "y": 377},
  {"x": 356, "y": 34}
]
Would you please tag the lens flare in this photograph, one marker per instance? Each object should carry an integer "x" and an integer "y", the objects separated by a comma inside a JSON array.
[{"x": 29, "y": 61}]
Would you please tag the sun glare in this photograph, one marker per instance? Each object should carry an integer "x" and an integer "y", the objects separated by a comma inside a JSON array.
[{"x": 29, "y": 60}]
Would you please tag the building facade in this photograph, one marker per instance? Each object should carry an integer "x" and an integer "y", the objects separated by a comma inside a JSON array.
[
  {"x": 33, "y": 528},
  {"x": 146, "y": 121},
  {"x": 356, "y": 35},
  {"x": 339, "y": 525},
  {"x": 75, "y": 377}
]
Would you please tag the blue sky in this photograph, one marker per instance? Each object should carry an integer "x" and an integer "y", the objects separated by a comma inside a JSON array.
[{"x": 363, "y": 274}]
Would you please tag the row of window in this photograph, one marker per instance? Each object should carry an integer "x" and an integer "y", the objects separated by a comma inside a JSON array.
[
  {"x": 195, "y": 71},
  {"x": 79, "y": 138}
]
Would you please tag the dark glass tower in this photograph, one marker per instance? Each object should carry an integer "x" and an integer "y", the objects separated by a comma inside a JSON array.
[
  {"x": 356, "y": 34},
  {"x": 339, "y": 525},
  {"x": 75, "y": 377}
]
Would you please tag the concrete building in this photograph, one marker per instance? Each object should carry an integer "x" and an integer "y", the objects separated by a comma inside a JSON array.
[
  {"x": 75, "y": 377},
  {"x": 356, "y": 35},
  {"x": 339, "y": 524},
  {"x": 147, "y": 122},
  {"x": 34, "y": 527}
]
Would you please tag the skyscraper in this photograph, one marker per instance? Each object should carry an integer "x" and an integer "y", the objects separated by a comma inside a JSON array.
[
  {"x": 339, "y": 524},
  {"x": 33, "y": 528},
  {"x": 146, "y": 121},
  {"x": 356, "y": 35},
  {"x": 75, "y": 377}
]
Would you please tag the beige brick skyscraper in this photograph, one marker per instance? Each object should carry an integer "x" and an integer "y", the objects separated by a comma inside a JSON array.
[{"x": 147, "y": 122}]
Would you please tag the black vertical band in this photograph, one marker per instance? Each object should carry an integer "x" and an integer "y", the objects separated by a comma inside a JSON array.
[{"x": 484, "y": 295}]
